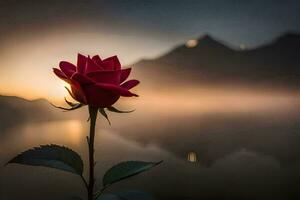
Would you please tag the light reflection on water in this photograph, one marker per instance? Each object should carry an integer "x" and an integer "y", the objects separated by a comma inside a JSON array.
[
  {"x": 69, "y": 133},
  {"x": 28, "y": 135}
]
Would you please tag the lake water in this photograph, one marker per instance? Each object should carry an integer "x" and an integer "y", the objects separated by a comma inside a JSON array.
[{"x": 246, "y": 149}]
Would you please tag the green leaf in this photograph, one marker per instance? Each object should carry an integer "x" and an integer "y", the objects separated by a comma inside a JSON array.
[
  {"x": 127, "y": 195},
  {"x": 126, "y": 169},
  {"x": 103, "y": 113},
  {"x": 53, "y": 156},
  {"x": 113, "y": 109}
]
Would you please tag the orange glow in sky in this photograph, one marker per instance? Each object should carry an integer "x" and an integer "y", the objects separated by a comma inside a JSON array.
[{"x": 26, "y": 62}]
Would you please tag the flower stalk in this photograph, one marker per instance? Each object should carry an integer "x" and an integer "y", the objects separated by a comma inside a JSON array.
[{"x": 93, "y": 117}]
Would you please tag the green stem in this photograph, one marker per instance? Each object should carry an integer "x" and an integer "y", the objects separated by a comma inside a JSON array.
[{"x": 93, "y": 116}]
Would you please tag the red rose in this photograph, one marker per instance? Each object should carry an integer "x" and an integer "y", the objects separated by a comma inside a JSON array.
[{"x": 96, "y": 82}]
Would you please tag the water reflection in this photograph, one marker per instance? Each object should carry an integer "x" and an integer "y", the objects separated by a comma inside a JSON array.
[{"x": 69, "y": 132}]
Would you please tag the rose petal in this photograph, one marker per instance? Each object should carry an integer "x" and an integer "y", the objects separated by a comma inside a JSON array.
[
  {"x": 130, "y": 84},
  {"x": 78, "y": 93},
  {"x": 100, "y": 97},
  {"x": 67, "y": 68},
  {"x": 112, "y": 77},
  {"x": 81, "y": 79},
  {"x": 92, "y": 66},
  {"x": 111, "y": 63},
  {"x": 124, "y": 74},
  {"x": 116, "y": 89},
  {"x": 97, "y": 59},
  {"x": 75, "y": 86},
  {"x": 81, "y": 63},
  {"x": 61, "y": 75}
]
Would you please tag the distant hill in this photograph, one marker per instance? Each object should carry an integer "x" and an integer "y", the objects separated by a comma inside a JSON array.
[
  {"x": 15, "y": 110},
  {"x": 214, "y": 62}
]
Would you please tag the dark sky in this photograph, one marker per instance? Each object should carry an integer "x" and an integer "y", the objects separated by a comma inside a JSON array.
[{"x": 235, "y": 21}]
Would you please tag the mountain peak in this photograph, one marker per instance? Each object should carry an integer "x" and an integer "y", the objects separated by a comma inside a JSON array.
[{"x": 206, "y": 37}]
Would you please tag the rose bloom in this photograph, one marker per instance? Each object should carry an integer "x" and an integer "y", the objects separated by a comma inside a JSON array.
[{"x": 96, "y": 82}]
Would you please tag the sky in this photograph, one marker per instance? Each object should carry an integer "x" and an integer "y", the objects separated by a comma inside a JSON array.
[{"x": 36, "y": 35}]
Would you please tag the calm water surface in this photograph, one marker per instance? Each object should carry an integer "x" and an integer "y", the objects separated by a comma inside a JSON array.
[{"x": 247, "y": 149}]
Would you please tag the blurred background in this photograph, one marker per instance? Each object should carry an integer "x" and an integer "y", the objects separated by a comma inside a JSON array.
[{"x": 219, "y": 95}]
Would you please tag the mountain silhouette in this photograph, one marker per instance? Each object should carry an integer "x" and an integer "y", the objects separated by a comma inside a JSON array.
[
  {"x": 16, "y": 110},
  {"x": 212, "y": 61}
]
